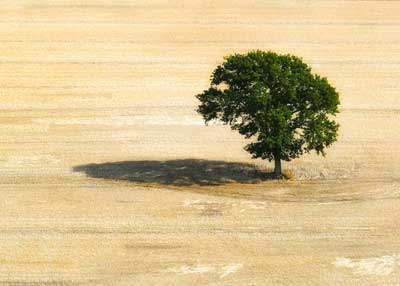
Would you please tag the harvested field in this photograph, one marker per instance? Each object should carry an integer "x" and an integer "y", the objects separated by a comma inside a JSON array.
[{"x": 109, "y": 177}]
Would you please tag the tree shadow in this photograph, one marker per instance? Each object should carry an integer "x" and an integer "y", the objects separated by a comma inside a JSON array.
[{"x": 185, "y": 172}]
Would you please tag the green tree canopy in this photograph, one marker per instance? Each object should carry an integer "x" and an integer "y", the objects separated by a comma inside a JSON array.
[{"x": 276, "y": 101}]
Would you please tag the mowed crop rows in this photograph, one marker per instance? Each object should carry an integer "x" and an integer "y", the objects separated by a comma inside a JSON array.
[{"x": 91, "y": 82}]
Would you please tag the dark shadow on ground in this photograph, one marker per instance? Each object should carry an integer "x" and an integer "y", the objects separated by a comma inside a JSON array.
[{"x": 186, "y": 172}]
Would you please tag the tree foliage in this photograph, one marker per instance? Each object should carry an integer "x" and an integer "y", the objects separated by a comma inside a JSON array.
[{"x": 274, "y": 99}]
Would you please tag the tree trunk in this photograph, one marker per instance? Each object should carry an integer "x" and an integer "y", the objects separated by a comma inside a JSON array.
[{"x": 278, "y": 167}]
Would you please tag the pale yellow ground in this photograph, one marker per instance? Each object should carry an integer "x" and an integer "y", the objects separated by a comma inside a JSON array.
[{"x": 100, "y": 81}]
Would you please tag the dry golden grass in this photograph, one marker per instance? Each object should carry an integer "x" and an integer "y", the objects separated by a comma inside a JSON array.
[{"x": 96, "y": 82}]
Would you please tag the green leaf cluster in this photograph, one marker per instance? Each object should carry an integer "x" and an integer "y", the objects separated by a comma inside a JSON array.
[{"x": 274, "y": 99}]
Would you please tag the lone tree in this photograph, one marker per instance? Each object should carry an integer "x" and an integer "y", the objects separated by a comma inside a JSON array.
[{"x": 276, "y": 100}]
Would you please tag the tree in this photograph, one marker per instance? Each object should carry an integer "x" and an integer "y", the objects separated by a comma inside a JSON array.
[{"x": 277, "y": 101}]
